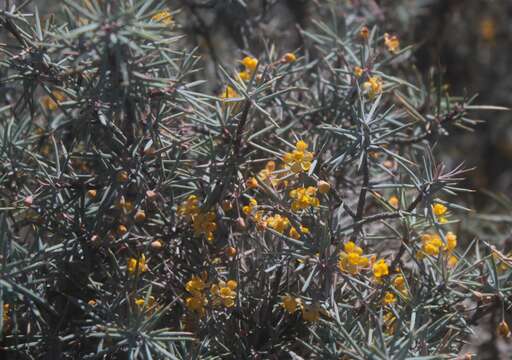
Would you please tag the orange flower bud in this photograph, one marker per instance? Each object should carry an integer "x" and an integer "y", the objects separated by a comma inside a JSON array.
[
  {"x": 122, "y": 176},
  {"x": 503, "y": 329},
  {"x": 230, "y": 251},
  {"x": 323, "y": 186},
  {"x": 140, "y": 216},
  {"x": 289, "y": 58}
]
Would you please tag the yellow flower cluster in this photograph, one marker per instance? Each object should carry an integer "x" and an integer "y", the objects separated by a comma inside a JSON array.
[
  {"x": 380, "y": 269},
  {"x": 399, "y": 284},
  {"x": 373, "y": 86},
  {"x": 278, "y": 223},
  {"x": 440, "y": 211},
  {"x": 197, "y": 301},
  {"x": 299, "y": 160},
  {"x": 249, "y": 209},
  {"x": 224, "y": 293},
  {"x": 392, "y": 43},
  {"x": 135, "y": 265},
  {"x": 389, "y": 298},
  {"x": 281, "y": 224},
  {"x": 164, "y": 16},
  {"x": 250, "y": 64},
  {"x": 290, "y": 303},
  {"x": 228, "y": 93},
  {"x": 203, "y": 223},
  {"x": 49, "y": 102},
  {"x": 269, "y": 177},
  {"x": 432, "y": 245},
  {"x": 358, "y": 71},
  {"x": 294, "y": 234},
  {"x": 310, "y": 312},
  {"x": 304, "y": 197},
  {"x": 351, "y": 259}
]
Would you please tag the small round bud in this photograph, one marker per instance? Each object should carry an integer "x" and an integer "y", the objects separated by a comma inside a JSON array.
[
  {"x": 140, "y": 216},
  {"x": 91, "y": 194},
  {"x": 151, "y": 195},
  {"x": 230, "y": 251},
  {"x": 323, "y": 186},
  {"x": 289, "y": 58},
  {"x": 28, "y": 201},
  {"x": 156, "y": 245},
  {"x": 121, "y": 229},
  {"x": 251, "y": 183},
  {"x": 122, "y": 176},
  {"x": 503, "y": 329},
  {"x": 364, "y": 33}
]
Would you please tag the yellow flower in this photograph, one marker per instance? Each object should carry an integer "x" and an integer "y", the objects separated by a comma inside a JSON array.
[
  {"x": 137, "y": 265},
  {"x": 164, "y": 16},
  {"x": 203, "y": 223},
  {"x": 300, "y": 159},
  {"x": 451, "y": 242},
  {"x": 49, "y": 102},
  {"x": 380, "y": 269},
  {"x": 452, "y": 261},
  {"x": 141, "y": 303},
  {"x": 250, "y": 63},
  {"x": 195, "y": 284},
  {"x": 278, "y": 223},
  {"x": 248, "y": 209},
  {"x": 189, "y": 207},
  {"x": 311, "y": 312},
  {"x": 229, "y": 93},
  {"x": 399, "y": 283},
  {"x": 294, "y": 234},
  {"x": 358, "y": 71},
  {"x": 389, "y": 298},
  {"x": 244, "y": 75},
  {"x": 304, "y": 198},
  {"x": 373, "y": 86},
  {"x": 392, "y": 43},
  {"x": 394, "y": 201},
  {"x": 389, "y": 323},
  {"x": 439, "y": 209},
  {"x": 223, "y": 293},
  {"x": 196, "y": 303},
  {"x": 290, "y": 304},
  {"x": 351, "y": 259}
]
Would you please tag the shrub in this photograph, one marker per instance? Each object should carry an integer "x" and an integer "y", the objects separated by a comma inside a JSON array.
[{"x": 299, "y": 212}]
